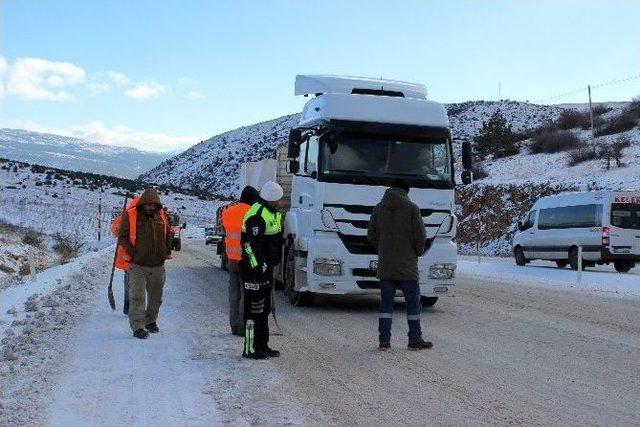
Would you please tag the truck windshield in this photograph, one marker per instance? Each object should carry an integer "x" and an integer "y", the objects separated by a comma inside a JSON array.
[
  {"x": 419, "y": 162},
  {"x": 625, "y": 215}
]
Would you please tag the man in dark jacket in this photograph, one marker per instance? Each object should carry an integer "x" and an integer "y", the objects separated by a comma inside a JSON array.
[
  {"x": 149, "y": 245},
  {"x": 262, "y": 249},
  {"x": 397, "y": 231}
]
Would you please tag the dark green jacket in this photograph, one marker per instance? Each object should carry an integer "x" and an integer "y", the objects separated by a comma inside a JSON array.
[
  {"x": 397, "y": 231},
  {"x": 153, "y": 242}
]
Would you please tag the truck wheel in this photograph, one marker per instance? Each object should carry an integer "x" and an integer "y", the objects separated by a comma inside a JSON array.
[
  {"x": 518, "y": 253},
  {"x": 623, "y": 266},
  {"x": 562, "y": 263},
  {"x": 299, "y": 299},
  {"x": 177, "y": 244},
  {"x": 428, "y": 301}
]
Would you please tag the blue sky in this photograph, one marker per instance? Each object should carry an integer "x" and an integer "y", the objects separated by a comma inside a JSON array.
[{"x": 165, "y": 74}]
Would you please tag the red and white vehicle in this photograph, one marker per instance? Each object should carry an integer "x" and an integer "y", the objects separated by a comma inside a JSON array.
[{"x": 176, "y": 229}]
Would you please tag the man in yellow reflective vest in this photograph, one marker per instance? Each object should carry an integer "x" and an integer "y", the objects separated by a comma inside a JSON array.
[
  {"x": 232, "y": 220},
  {"x": 261, "y": 251}
]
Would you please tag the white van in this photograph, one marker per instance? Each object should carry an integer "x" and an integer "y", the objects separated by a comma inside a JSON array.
[{"x": 605, "y": 223}]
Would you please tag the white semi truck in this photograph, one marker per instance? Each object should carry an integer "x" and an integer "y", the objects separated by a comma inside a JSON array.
[{"x": 355, "y": 136}]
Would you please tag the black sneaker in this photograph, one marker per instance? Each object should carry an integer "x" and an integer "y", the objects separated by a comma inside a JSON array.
[
  {"x": 153, "y": 328},
  {"x": 125, "y": 308},
  {"x": 420, "y": 345},
  {"x": 141, "y": 333},
  {"x": 257, "y": 355},
  {"x": 384, "y": 346},
  {"x": 271, "y": 352}
]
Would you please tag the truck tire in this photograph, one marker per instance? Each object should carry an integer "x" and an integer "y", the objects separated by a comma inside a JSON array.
[
  {"x": 562, "y": 263},
  {"x": 299, "y": 299},
  {"x": 518, "y": 254},
  {"x": 177, "y": 245},
  {"x": 623, "y": 266},
  {"x": 428, "y": 301}
]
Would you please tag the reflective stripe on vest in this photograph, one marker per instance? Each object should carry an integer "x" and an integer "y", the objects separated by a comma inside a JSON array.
[{"x": 232, "y": 217}]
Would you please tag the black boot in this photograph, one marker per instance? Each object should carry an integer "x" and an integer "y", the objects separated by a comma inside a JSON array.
[
  {"x": 270, "y": 352},
  {"x": 153, "y": 328},
  {"x": 140, "y": 333},
  {"x": 257, "y": 355},
  {"x": 420, "y": 345}
]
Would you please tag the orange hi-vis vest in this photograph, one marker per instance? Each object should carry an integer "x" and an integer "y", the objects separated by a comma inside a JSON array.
[
  {"x": 123, "y": 259},
  {"x": 232, "y": 218}
]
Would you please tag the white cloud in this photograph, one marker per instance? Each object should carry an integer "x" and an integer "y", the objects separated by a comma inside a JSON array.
[
  {"x": 194, "y": 94},
  {"x": 150, "y": 89},
  {"x": 37, "y": 79},
  {"x": 97, "y": 88},
  {"x": 119, "y": 135},
  {"x": 4, "y": 66},
  {"x": 120, "y": 79}
]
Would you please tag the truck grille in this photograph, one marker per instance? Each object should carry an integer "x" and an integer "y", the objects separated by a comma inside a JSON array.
[
  {"x": 364, "y": 272},
  {"x": 360, "y": 244},
  {"x": 368, "y": 284}
]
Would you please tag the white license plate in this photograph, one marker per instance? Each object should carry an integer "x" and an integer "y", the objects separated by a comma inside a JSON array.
[{"x": 373, "y": 265}]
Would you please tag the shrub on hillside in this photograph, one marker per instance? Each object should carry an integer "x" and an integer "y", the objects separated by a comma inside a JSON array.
[
  {"x": 572, "y": 119},
  {"x": 496, "y": 138},
  {"x": 554, "y": 142},
  {"x": 628, "y": 118},
  {"x": 32, "y": 238},
  {"x": 613, "y": 151},
  {"x": 581, "y": 155},
  {"x": 479, "y": 172},
  {"x": 67, "y": 246}
]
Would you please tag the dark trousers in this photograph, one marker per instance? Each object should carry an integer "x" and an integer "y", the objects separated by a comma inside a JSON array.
[
  {"x": 411, "y": 292},
  {"x": 257, "y": 306},
  {"x": 126, "y": 288}
]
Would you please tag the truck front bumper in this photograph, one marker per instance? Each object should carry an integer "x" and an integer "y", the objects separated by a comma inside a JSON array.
[{"x": 358, "y": 278}]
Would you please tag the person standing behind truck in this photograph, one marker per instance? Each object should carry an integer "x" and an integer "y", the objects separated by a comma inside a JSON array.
[
  {"x": 232, "y": 220},
  {"x": 262, "y": 250},
  {"x": 397, "y": 231},
  {"x": 145, "y": 237}
]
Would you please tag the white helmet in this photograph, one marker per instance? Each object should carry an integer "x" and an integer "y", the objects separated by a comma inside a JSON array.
[{"x": 271, "y": 191}]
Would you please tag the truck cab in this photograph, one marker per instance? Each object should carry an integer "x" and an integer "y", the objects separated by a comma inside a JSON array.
[{"x": 355, "y": 136}]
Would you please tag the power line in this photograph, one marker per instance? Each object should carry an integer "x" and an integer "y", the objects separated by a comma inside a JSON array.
[{"x": 584, "y": 89}]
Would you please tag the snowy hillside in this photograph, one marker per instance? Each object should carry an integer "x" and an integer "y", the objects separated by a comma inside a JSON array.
[
  {"x": 62, "y": 207},
  {"x": 75, "y": 154},
  {"x": 213, "y": 164}
]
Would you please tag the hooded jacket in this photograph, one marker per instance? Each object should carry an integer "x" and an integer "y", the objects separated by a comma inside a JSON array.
[
  {"x": 397, "y": 231},
  {"x": 152, "y": 243}
]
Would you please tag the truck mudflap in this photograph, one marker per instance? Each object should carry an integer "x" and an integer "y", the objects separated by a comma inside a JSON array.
[{"x": 608, "y": 255}]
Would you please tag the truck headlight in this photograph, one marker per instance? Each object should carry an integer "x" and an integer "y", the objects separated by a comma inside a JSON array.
[
  {"x": 327, "y": 267},
  {"x": 442, "y": 271}
]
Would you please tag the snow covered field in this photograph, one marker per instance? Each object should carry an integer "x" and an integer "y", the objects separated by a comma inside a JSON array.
[{"x": 545, "y": 274}]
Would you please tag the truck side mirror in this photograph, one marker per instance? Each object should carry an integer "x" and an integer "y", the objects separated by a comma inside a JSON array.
[
  {"x": 467, "y": 155},
  {"x": 295, "y": 137},
  {"x": 294, "y": 166}
]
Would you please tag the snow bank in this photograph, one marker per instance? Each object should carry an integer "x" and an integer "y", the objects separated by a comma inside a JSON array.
[{"x": 546, "y": 275}]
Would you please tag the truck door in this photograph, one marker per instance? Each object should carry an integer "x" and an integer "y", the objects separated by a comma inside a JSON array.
[{"x": 625, "y": 223}]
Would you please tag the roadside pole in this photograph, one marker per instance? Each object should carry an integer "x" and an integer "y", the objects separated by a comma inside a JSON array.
[
  {"x": 99, "y": 218},
  {"x": 579, "y": 273}
]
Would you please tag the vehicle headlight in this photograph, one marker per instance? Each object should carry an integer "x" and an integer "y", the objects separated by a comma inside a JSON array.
[
  {"x": 442, "y": 271},
  {"x": 327, "y": 267}
]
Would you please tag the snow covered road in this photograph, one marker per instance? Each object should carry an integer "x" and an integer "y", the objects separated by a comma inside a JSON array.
[{"x": 504, "y": 354}]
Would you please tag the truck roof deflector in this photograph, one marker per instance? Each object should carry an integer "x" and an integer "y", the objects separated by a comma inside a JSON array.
[{"x": 320, "y": 84}]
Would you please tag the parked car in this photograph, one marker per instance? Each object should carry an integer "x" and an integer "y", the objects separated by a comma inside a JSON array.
[{"x": 606, "y": 224}]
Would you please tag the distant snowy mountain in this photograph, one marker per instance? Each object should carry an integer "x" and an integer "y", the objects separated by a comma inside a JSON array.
[
  {"x": 76, "y": 154},
  {"x": 213, "y": 165}
]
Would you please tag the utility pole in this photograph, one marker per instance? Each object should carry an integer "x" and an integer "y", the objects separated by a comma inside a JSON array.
[
  {"x": 499, "y": 91},
  {"x": 99, "y": 218},
  {"x": 593, "y": 132}
]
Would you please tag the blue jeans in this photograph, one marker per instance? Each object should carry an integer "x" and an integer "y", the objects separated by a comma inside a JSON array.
[{"x": 411, "y": 292}]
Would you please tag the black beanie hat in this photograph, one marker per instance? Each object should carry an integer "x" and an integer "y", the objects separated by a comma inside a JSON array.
[
  {"x": 249, "y": 195},
  {"x": 401, "y": 183}
]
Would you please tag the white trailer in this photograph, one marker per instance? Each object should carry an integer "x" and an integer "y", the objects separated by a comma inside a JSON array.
[{"x": 355, "y": 136}]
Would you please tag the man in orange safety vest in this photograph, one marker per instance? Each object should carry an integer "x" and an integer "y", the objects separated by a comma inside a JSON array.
[{"x": 232, "y": 218}]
